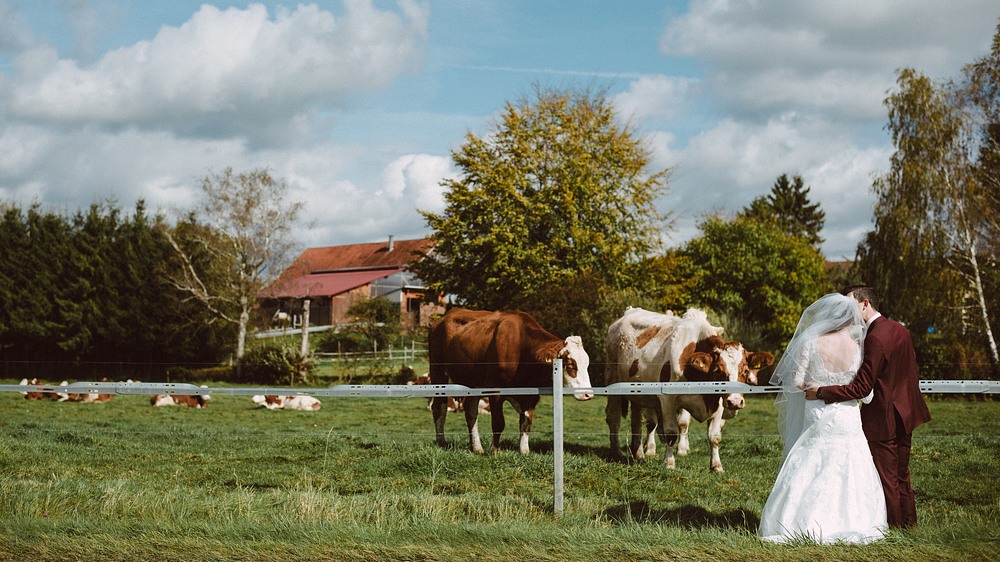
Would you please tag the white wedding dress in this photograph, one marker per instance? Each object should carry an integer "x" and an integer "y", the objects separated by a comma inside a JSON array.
[{"x": 827, "y": 490}]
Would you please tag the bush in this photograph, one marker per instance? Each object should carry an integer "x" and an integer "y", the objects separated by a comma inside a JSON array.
[
  {"x": 342, "y": 342},
  {"x": 276, "y": 365}
]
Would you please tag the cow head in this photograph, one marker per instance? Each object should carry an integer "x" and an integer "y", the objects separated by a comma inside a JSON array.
[
  {"x": 753, "y": 362},
  {"x": 717, "y": 360},
  {"x": 575, "y": 365}
]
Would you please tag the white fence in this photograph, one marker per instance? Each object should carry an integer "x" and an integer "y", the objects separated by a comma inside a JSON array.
[{"x": 454, "y": 390}]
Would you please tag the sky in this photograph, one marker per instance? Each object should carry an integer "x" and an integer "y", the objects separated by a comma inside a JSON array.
[{"x": 358, "y": 104}]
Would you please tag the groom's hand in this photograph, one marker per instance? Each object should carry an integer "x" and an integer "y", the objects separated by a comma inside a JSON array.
[{"x": 811, "y": 392}]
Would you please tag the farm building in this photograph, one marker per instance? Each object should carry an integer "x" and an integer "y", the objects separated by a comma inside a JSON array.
[{"x": 332, "y": 278}]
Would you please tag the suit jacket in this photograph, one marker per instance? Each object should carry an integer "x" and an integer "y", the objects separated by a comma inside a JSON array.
[{"x": 889, "y": 367}]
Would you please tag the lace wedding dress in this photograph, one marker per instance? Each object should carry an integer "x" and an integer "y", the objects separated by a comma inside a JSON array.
[{"x": 827, "y": 490}]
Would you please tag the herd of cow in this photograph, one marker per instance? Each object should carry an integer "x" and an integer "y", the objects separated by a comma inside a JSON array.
[
  {"x": 304, "y": 403},
  {"x": 483, "y": 349}
]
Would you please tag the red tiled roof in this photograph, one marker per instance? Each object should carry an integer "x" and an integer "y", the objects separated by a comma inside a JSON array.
[{"x": 335, "y": 269}]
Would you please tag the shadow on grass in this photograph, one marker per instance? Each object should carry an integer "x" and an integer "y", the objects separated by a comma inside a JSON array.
[{"x": 687, "y": 516}]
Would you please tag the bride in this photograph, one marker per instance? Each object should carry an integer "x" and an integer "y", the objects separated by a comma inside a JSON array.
[{"x": 827, "y": 489}]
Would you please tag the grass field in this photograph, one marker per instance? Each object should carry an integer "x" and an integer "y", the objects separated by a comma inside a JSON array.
[{"x": 362, "y": 480}]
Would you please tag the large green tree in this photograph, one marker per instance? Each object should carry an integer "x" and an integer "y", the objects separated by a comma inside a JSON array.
[
  {"x": 558, "y": 189},
  {"x": 929, "y": 247},
  {"x": 787, "y": 206},
  {"x": 752, "y": 271}
]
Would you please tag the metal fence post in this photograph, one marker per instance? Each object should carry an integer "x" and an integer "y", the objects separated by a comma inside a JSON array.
[{"x": 557, "y": 434}]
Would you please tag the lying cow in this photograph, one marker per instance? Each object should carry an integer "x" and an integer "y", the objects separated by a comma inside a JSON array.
[
  {"x": 481, "y": 349},
  {"x": 277, "y": 402},
  {"x": 34, "y": 395},
  {"x": 90, "y": 397},
  {"x": 454, "y": 405},
  {"x": 644, "y": 346},
  {"x": 189, "y": 400}
]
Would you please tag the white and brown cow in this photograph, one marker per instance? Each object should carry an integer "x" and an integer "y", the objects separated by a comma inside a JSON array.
[
  {"x": 278, "y": 402},
  {"x": 37, "y": 395},
  {"x": 189, "y": 400},
  {"x": 482, "y": 349},
  {"x": 644, "y": 346},
  {"x": 90, "y": 397}
]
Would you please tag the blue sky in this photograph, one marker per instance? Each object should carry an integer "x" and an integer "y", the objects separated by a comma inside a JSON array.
[{"x": 357, "y": 104}]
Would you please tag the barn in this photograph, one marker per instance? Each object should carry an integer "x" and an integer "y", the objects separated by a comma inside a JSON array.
[{"x": 330, "y": 279}]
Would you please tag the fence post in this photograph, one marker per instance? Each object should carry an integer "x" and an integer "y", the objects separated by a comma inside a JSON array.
[{"x": 557, "y": 434}]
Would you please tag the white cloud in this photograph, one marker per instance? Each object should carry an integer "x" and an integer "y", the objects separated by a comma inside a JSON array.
[
  {"x": 225, "y": 69},
  {"x": 831, "y": 56},
  {"x": 652, "y": 97},
  {"x": 726, "y": 167},
  {"x": 15, "y": 35}
]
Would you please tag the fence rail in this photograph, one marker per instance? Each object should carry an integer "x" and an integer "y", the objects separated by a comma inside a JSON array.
[{"x": 456, "y": 390}]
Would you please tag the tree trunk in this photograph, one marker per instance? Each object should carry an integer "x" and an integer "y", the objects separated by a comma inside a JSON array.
[{"x": 304, "y": 352}]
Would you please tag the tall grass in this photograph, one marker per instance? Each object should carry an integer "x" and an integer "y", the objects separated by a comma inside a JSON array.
[{"x": 362, "y": 480}]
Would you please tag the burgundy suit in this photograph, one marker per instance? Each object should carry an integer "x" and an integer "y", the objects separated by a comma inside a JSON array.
[{"x": 890, "y": 368}]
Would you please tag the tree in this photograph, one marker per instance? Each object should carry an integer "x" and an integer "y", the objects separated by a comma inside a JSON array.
[
  {"x": 751, "y": 270},
  {"x": 929, "y": 212},
  {"x": 377, "y": 320},
  {"x": 788, "y": 208},
  {"x": 246, "y": 244},
  {"x": 557, "y": 190}
]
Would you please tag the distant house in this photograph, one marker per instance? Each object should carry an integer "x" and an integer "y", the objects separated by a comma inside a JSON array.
[{"x": 335, "y": 277}]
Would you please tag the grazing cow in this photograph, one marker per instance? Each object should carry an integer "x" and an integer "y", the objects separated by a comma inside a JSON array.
[
  {"x": 33, "y": 395},
  {"x": 645, "y": 346},
  {"x": 482, "y": 349},
  {"x": 272, "y": 402},
  {"x": 454, "y": 404},
  {"x": 189, "y": 400}
]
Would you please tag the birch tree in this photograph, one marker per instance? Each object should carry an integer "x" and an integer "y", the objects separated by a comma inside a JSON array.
[
  {"x": 930, "y": 230},
  {"x": 246, "y": 242}
]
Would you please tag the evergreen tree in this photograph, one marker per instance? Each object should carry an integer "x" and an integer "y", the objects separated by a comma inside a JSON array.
[{"x": 787, "y": 206}]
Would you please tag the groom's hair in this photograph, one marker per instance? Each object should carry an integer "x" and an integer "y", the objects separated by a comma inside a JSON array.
[{"x": 862, "y": 293}]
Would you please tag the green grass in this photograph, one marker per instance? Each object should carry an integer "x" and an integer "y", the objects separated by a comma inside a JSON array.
[{"x": 362, "y": 480}]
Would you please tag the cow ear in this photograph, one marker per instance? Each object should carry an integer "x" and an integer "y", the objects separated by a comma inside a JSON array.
[{"x": 700, "y": 361}]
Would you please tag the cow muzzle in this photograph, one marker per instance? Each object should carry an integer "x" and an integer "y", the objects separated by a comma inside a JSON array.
[{"x": 735, "y": 402}]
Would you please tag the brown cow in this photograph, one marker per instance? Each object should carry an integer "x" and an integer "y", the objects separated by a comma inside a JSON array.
[
  {"x": 453, "y": 404},
  {"x": 482, "y": 349}
]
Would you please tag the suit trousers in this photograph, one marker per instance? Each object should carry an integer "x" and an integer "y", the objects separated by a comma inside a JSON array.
[{"x": 892, "y": 461}]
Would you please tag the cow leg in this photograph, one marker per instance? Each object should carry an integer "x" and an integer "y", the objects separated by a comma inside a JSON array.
[
  {"x": 666, "y": 417},
  {"x": 635, "y": 444},
  {"x": 650, "y": 436},
  {"x": 683, "y": 424},
  {"x": 472, "y": 420},
  {"x": 715, "y": 424},
  {"x": 613, "y": 415},
  {"x": 439, "y": 409},
  {"x": 497, "y": 420},
  {"x": 526, "y": 414}
]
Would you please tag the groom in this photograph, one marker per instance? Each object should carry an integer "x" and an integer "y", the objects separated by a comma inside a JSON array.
[{"x": 890, "y": 368}]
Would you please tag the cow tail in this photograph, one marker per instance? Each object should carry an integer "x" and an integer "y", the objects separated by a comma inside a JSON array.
[{"x": 625, "y": 404}]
